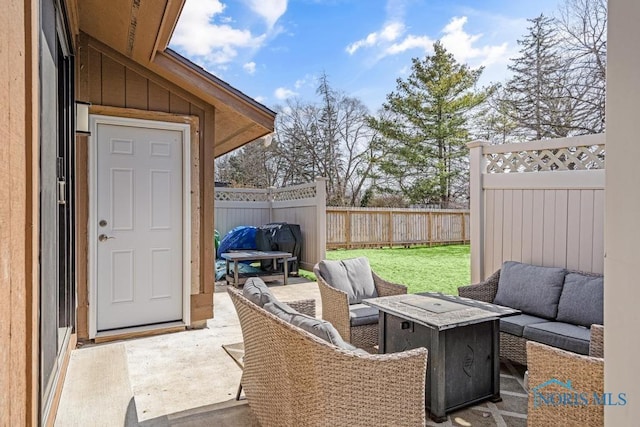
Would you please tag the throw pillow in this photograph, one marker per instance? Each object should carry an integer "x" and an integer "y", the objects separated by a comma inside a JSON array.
[
  {"x": 582, "y": 300},
  {"x": 530, "y": 288}
]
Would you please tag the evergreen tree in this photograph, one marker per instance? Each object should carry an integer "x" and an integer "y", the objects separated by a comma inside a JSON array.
[
  {"x": 537, "y": 99},
  {"x": 424, "y": 125}
]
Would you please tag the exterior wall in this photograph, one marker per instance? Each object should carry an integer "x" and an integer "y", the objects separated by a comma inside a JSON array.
[
  {"x": 301, "y": 204},
  {"x": 621, "y": 291},
  {"x": 107, "y": 79},
  {"x": 533, "y": 212},
  {"x": 19, "y": 213}
]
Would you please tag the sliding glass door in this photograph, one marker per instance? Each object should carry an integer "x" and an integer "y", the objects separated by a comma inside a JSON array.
[{"x": 57, "y": 163}]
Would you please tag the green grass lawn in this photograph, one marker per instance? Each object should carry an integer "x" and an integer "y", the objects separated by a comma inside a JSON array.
[{"x": 438, "y": 268}]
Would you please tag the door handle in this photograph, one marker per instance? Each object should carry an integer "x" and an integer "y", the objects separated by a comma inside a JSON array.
[{"x": 104, "y": 237}]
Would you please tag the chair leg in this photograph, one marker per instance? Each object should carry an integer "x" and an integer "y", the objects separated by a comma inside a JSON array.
[{"x": 239, "y": 391}]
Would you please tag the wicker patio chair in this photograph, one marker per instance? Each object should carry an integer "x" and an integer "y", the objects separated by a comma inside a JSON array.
[
  {"x": 336, "y": 309},
  {"x": 552, "y": 370},
  {"x": 236, "y": 350},
  {"x": 293, "y": 378}
]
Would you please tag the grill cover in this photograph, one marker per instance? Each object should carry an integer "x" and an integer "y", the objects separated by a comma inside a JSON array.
[{"x": 280, "y": 236}]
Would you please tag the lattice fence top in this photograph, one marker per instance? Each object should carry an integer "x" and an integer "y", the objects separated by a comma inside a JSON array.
[
  {"x": 307, "y": 191},
  {"x": 295, "y": 194},
  {"x": 227, "y": 195},
  {"x": 557, "y": 159}
]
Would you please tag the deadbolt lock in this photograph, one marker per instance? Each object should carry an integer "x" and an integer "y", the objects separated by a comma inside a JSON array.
[{"x": 102, "y": 223}]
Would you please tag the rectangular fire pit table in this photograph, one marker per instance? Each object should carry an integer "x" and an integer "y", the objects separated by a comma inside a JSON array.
[{"x": 463, "y": 341}]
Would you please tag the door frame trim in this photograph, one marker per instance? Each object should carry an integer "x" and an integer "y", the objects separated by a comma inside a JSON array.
[{"x": 185, "y": 129}]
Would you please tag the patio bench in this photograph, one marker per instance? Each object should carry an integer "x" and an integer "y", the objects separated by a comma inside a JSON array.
[
  {"x": 292, "y": 377},
  {"x": 558, "y": 307}
]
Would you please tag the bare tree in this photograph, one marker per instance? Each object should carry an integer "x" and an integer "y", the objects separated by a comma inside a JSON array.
[
  {"x": 330, "y": 138},
  {"x": 582, "y": 24},
  {"x": 536, "y": 96}
]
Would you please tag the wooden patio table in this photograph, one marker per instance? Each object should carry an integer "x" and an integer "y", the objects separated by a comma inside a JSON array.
[{"x": 239, "y": 278}]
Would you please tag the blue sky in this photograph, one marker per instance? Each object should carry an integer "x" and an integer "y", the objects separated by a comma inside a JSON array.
[{"x": 274, "y": 49}]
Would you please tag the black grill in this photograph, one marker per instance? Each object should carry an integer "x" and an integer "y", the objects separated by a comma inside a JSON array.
[{"x": 280, "y": 236}]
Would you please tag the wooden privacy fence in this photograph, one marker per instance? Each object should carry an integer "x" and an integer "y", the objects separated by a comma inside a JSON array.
[{"x": 376, "y": 227}]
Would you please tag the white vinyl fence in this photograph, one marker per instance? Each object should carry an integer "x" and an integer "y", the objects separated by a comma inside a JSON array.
[
  {"x": 539, "y": 202},
  {"x": 301, "y": 204}
]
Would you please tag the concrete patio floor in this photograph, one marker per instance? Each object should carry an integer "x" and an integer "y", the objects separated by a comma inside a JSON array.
[{"x": 187, "y": 379}]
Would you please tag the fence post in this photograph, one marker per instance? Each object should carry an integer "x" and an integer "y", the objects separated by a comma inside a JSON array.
[
  {"x": 270, "y": 198},
  {"x": 321, "y": 218},
  {"x": 347, "y": 229},
  {"x": 476, "y": 215},
  {"x": 429, "y": 225},
  {"x": 390, "y": 230}
]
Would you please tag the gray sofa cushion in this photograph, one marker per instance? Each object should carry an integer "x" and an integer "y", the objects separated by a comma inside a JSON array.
[
  {"x": 361, "y": 314},
  {"x": 582, "y": 300},
  {"x": 532, "y": 289},
  {"x": 352, "y": 276},
  {"x": 256, "y": 291},
  {"x": 514, "y": 325},
  {"x": 558, "y": 334}
]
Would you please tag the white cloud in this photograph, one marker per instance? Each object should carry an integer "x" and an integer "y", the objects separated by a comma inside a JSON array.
[
  {"x": 307, "y": 80},
  {"x": 391, "y": 40},
  {"x": 260, "y": 99},
  {"x": 410, "y": 42},
  {"x": 197, "y": 36},
  {"x": 283, "y": 93},
  {"x": 250, "y": 67},
  {"x": 388, "y": 33},
  {"x": 462, "y": 44},
  {"x": 270, "y": 10}
]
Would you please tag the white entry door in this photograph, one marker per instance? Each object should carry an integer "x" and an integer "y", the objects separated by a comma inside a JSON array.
[{"x": 139, "y": 221}]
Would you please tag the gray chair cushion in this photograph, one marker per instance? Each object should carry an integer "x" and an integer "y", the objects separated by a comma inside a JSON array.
[
  {"x": 318, "y": 327},
  {"x": 281, "y": 310},
  {"x": 558, "y": 334},
  {"x": 514, "y": 325},
  {"x": 361, "y": 314},
  {"x": 352, "y": 276},
  {"x": 532, "y": 289},
  {"x": 256, "y": 291},
  {"x": 582, "y": 300}
]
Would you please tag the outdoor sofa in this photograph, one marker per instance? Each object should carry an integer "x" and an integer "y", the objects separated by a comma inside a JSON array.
[
  {"x": 558, "y": 307},
  {"x": 292, "y": 377}
]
